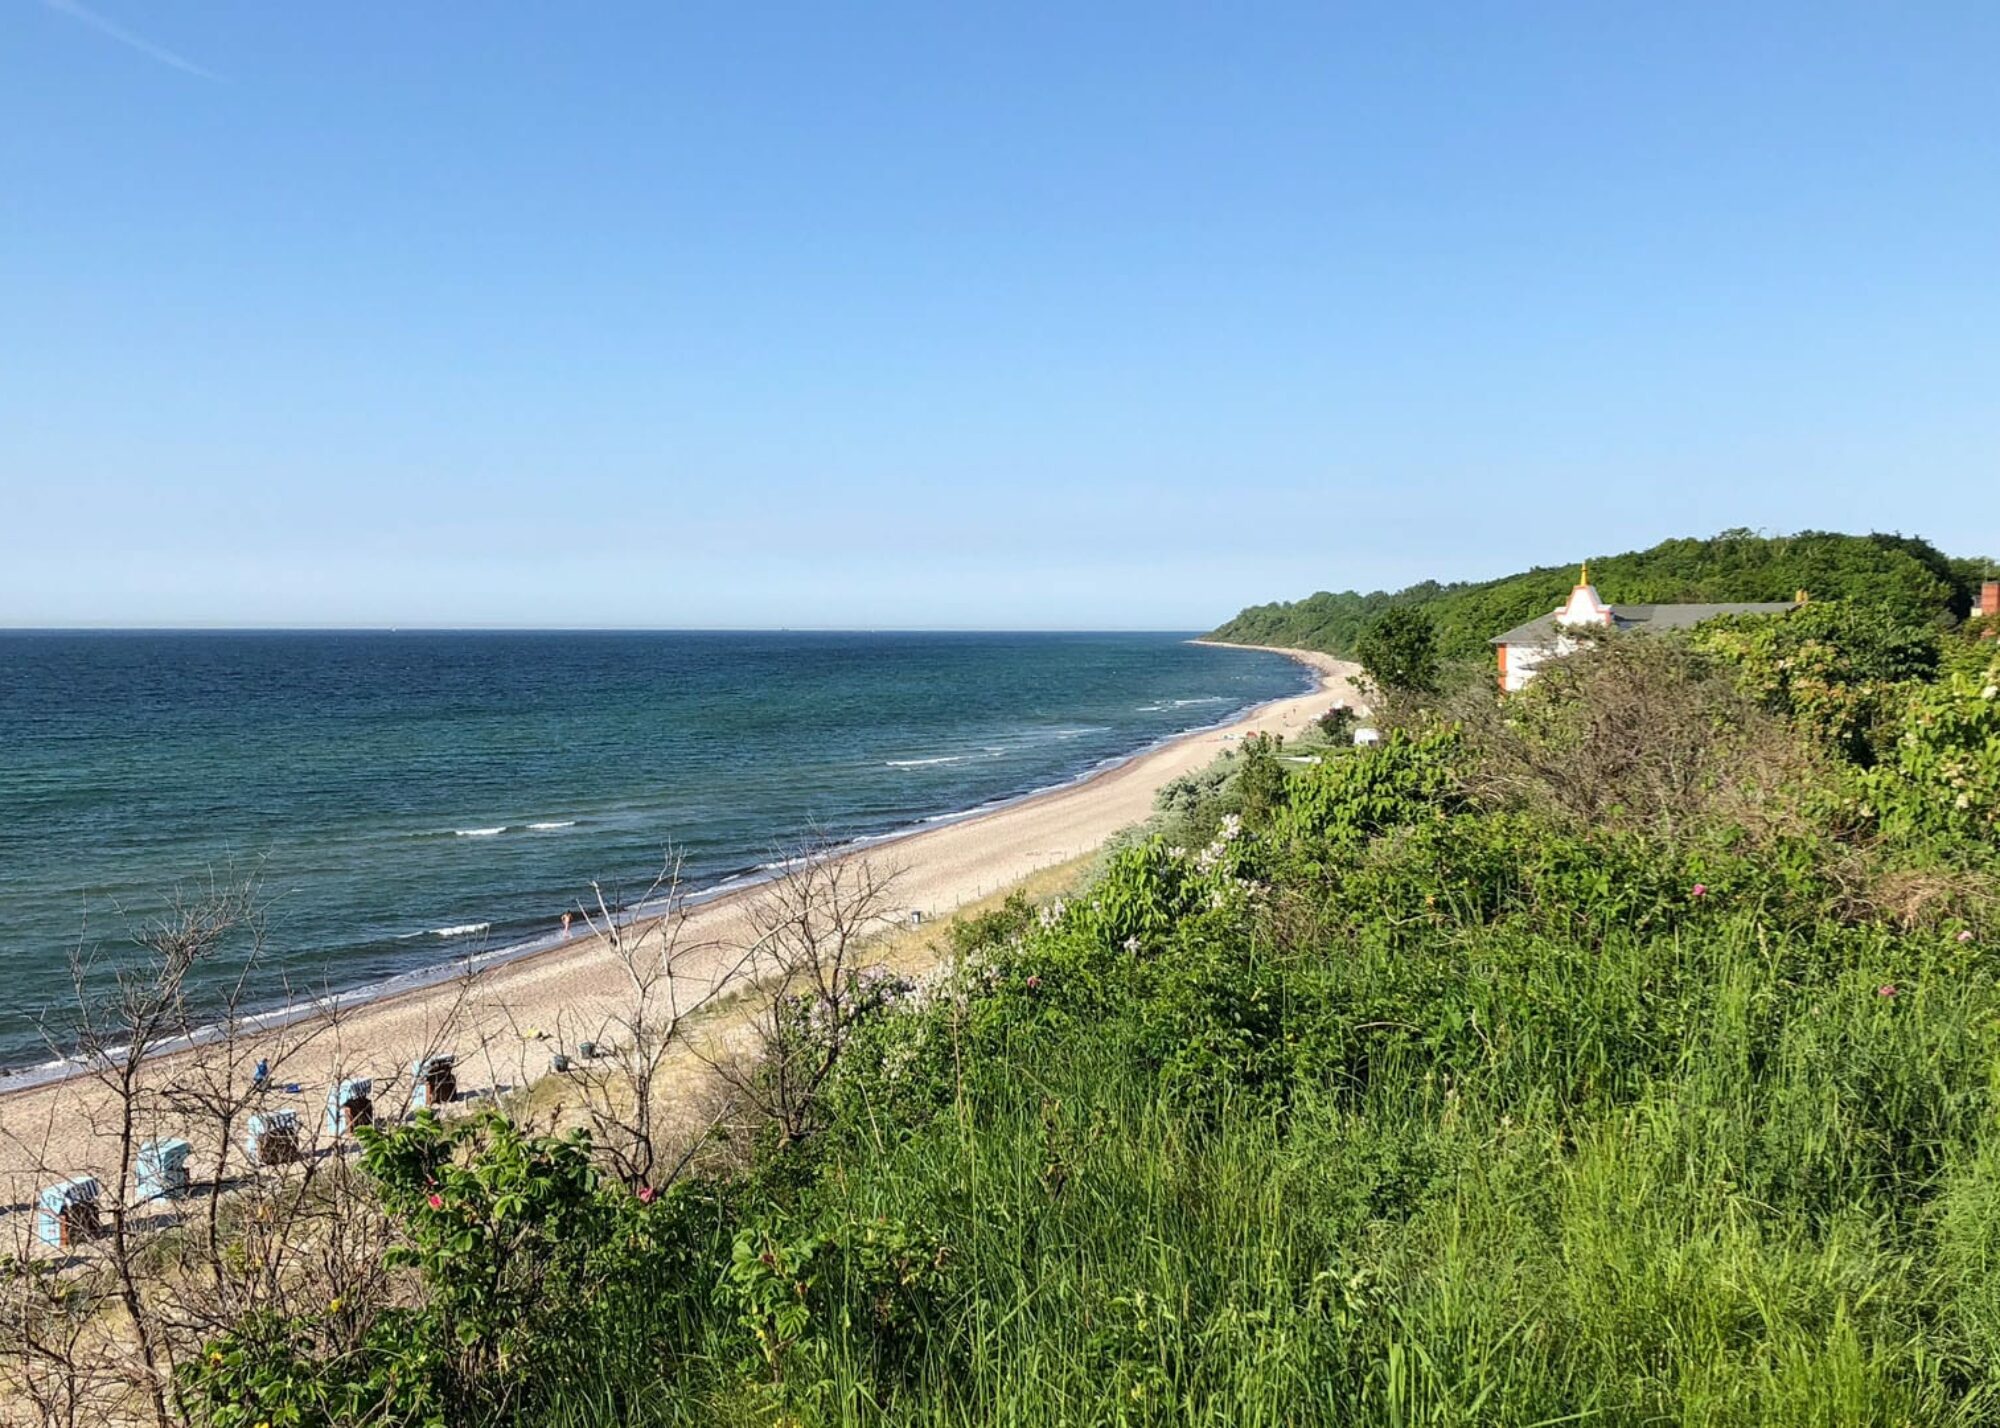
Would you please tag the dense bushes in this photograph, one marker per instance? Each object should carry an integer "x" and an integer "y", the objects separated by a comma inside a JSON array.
[
  {"x": 1838, "y": 671},
  {"x": 1398, "y": 651},
  {"x": 1940, "y": 781}
]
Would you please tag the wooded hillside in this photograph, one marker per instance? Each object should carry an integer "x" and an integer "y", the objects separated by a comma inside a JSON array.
[{"x": 1904, "y": 572}]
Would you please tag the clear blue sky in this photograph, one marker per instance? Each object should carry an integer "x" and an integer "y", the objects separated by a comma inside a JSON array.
[{"x": 1078, "y": 315}]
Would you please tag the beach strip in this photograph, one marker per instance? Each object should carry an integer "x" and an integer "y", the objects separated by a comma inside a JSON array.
[{"x": 505, "y": 1022}]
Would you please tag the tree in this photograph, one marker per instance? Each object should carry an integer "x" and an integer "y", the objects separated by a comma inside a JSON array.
[
  {"x": 1260, "y": 783},
  {"x": 1399, "y": 651}
]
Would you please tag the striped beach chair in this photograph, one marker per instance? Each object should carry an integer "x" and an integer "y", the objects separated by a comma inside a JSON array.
[{"x": 66, "y": 1212}]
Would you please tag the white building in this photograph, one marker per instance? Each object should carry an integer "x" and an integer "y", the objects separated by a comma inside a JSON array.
[{"x": 1523, "y": 649}]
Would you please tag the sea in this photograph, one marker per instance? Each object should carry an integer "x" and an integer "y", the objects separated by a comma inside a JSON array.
[{"x": 397, "y": 803}]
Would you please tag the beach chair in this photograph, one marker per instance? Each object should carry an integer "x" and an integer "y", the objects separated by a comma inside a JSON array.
[
  {"x": 66, "y": 1213},
  {"x": 163, "y": 1169},
  {"x": 434, "y": 1080},
  {"x": 273, "y": 1138},
  {"x": 349, "y": 1105}
]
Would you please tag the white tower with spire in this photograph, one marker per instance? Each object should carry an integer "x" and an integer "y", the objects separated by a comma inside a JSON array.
[{"x": 1585, "y": 605}]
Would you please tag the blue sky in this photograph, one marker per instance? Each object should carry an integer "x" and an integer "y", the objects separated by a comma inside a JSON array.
[{"x": 925, "y": 315}]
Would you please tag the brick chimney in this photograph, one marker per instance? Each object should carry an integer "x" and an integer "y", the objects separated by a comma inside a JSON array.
[{"x": 1989, "y": 598}]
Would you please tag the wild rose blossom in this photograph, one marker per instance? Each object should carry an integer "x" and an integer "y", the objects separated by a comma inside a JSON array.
[
  {"x": 435, "y": 1200},
  {"x": 1887, "y": 989},
  {"x": 1964, "y": 935},
  {"x": 1699, "y": 890}
]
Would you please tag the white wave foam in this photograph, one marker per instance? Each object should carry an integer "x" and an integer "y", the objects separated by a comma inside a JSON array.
[
  {"x": 480, "y": 832},
  {"x": 923, "y": 763},
  {"x": 463, "y": 929},
  {"x": 550, "y": 827}
]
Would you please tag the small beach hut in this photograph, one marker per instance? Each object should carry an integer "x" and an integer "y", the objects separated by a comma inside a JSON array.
[
  {"x": 350, "y": 1104},
  {"x": 434, "y": 1080},
  {"x": 66, "y": 1212},
  {"x": 273, "y": 1138},
  {"x": 163, "y": 1169}
]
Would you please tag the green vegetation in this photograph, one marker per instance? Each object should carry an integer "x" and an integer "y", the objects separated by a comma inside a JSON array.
[
  {"x": 1897, "y": 572},
  {"x": 1620, "y": 1053},
  {"x": 1398, "y": 652}
]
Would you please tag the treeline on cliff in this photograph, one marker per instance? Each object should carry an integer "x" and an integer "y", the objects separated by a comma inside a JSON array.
[{"x": 1902, "y": 572}]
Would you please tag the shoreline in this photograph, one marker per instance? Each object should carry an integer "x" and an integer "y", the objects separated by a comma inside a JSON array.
[
  {"x": 742, "y": 882},
  {"x": 506, "y": 1005}
]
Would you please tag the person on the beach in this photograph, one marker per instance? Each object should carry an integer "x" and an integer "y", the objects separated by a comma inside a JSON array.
[
  {"x": 261, "y": 1077},
  {"x": 566, "y": 917}
]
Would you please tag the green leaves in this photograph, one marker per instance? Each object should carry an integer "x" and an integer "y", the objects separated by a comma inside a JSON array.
[
  {"x": 1940, "y": 781},
  {"x": 1838, "y": 671},
  {"x": 1343, "y": 801},
  {"x": 1399, "y": 651},
  {"x": 803, "y": 1294}
]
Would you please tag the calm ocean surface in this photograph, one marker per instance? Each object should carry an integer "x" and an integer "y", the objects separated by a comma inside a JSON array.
[{"x": 404, "y": 799}]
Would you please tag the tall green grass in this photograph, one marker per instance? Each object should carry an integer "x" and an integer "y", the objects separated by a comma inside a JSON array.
[{"x": 1715, "y": 1177}]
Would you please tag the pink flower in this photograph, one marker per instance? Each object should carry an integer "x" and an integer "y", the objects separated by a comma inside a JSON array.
[
  {"x": 1887, "y": 989},
  {"x": 1699, "y": 890},
  {"x": 1034, "y": 984},
  {"x": 1964, "y": 936},
  {"x": 645, "y": 1194},
  {"x": 436, "y": 1201}
]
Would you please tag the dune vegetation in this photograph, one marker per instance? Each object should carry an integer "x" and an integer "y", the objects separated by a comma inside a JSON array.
[{"x": 1626, "y": 1052}]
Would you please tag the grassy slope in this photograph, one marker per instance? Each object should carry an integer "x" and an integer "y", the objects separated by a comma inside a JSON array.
[
  {"x": 1500, "y": 1126},
  {"x": 1386, "y": 1109}
]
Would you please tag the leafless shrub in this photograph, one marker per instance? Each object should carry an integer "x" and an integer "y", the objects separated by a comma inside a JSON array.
[
  {"x": 1636, "y": 732},
  {"x": 1909, "y": 897},
  {"x": 810, "y": 924},
  {"x": 622, "y": 1079}
]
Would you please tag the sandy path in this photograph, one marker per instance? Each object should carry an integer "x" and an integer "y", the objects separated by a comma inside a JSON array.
[{"x": 505, "y": 1023}]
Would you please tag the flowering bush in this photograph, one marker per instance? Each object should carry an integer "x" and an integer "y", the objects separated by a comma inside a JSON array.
[{"x": 1940, "y": 780}]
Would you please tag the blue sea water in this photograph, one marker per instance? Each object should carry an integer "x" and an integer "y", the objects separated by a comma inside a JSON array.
[{"x": 403, "y": 799}]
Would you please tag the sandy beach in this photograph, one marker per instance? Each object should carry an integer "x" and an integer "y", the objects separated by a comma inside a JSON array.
[{"x": 506, "y": 1022}]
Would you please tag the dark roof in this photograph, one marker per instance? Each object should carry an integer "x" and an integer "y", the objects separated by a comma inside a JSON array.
[{"x": 1648, "y": 617}]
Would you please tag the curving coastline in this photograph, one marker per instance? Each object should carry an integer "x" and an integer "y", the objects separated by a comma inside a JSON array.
[{"x": 520, "y": 992}]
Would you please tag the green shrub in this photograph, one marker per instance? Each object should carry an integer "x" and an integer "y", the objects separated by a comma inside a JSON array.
[
  {"x": 1940, "y": 782},
  {"x": 1836, "y": 670},
  {"x": 1341, "y": 802}
]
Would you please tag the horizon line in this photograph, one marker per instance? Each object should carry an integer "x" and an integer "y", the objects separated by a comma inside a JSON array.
[{"x": 504, "y": 629}]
